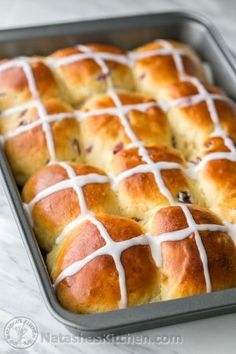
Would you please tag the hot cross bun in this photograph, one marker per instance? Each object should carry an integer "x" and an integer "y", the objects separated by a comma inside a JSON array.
[
  {"x": 53, "y": 202},
  {"x": 127, "y": 161},
  {"x": 104, "y": 279},
  {"x": 109, "y": 129},
  {"x": 17, "y": 86},
  {"x": 80, "y": 73},
  {"x": 155, "y": 66},
  {"x": 38, "y": 135}
]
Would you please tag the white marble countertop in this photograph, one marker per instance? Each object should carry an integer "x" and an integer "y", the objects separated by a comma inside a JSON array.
[{"x": 19, "y": 295}]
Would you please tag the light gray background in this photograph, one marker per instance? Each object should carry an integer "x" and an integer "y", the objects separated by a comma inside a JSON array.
[{"x": 19, "y": 293}]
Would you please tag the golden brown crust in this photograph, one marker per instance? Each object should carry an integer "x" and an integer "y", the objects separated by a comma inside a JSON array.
[
  {"x": 182, "y": 270},
  {"x": 82, "y": 79},
  {"x": 28, "y": 151},
  {"x": 14, "y": 87},
  {"x": 95, "y": 288},
  {"x": 217, "y": 180},
  {"x": 154, "y": 73},
  {"x": 139, "y": 193},
  {"x": 106, "y": 133},
  {"x": 196, "y": 119},
  {"x": 198, "y": 143},
  {"x": 102, "y": 139},
  {"x": 52, "y": 213}
]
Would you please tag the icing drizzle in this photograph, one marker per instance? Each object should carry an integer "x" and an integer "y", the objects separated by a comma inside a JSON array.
[
  {"x": 203, "y": 96},
  {"x": 112, "y": 248},
  {"x": 155, "y": 168},
  {"x": 44, "y": 119}
]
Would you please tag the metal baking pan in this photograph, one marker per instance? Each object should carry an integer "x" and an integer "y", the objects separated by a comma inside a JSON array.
[{"x": 126, "y": 32}]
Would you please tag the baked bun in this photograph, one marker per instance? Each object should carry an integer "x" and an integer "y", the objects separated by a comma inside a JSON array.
[
  {"x": 104, "y": 280},
  {"x": 59, "y": 193},
  {"x": 189, "y": 112},
  {"x": 80, "y": 73},
  {"x": 113, "y": 153},
  {"x": 216, "y": 177},
  {"x": 192, "y": 263},
  {"x": 79, "y": 267},
  {"x": 29, "y": 146},
  {"x": 110, "y": 131},
  {"x": 16, "y": 78},
  {"x": 143, "y": 187},
  {"x": 155, "y": 66}
]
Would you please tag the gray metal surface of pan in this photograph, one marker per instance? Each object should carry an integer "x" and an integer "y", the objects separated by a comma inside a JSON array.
[{"x": 126, "y": 32}]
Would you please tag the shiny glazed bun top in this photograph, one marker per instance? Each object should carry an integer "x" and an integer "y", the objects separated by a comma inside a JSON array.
[{"x": 121, "y": 156}]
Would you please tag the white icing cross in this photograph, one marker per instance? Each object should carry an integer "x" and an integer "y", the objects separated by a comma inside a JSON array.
[
  {"x": 77, "y": 182},
  {"x": 167, "y": 49},
  {"x": 112, "y": 248},
  {"x": 120, "y": 110},
  {"x": 115, "y": 249},
  {"x": 135, "y": 142},
  {"x": 155, "y": 168},
  {"x": 128, "y": 58},
  {"x": 44, "y": 118},
  {"x": 193, "y": 228},
  {"x": 203, "y": 96},
  {"x": 47, "y": 119}
]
